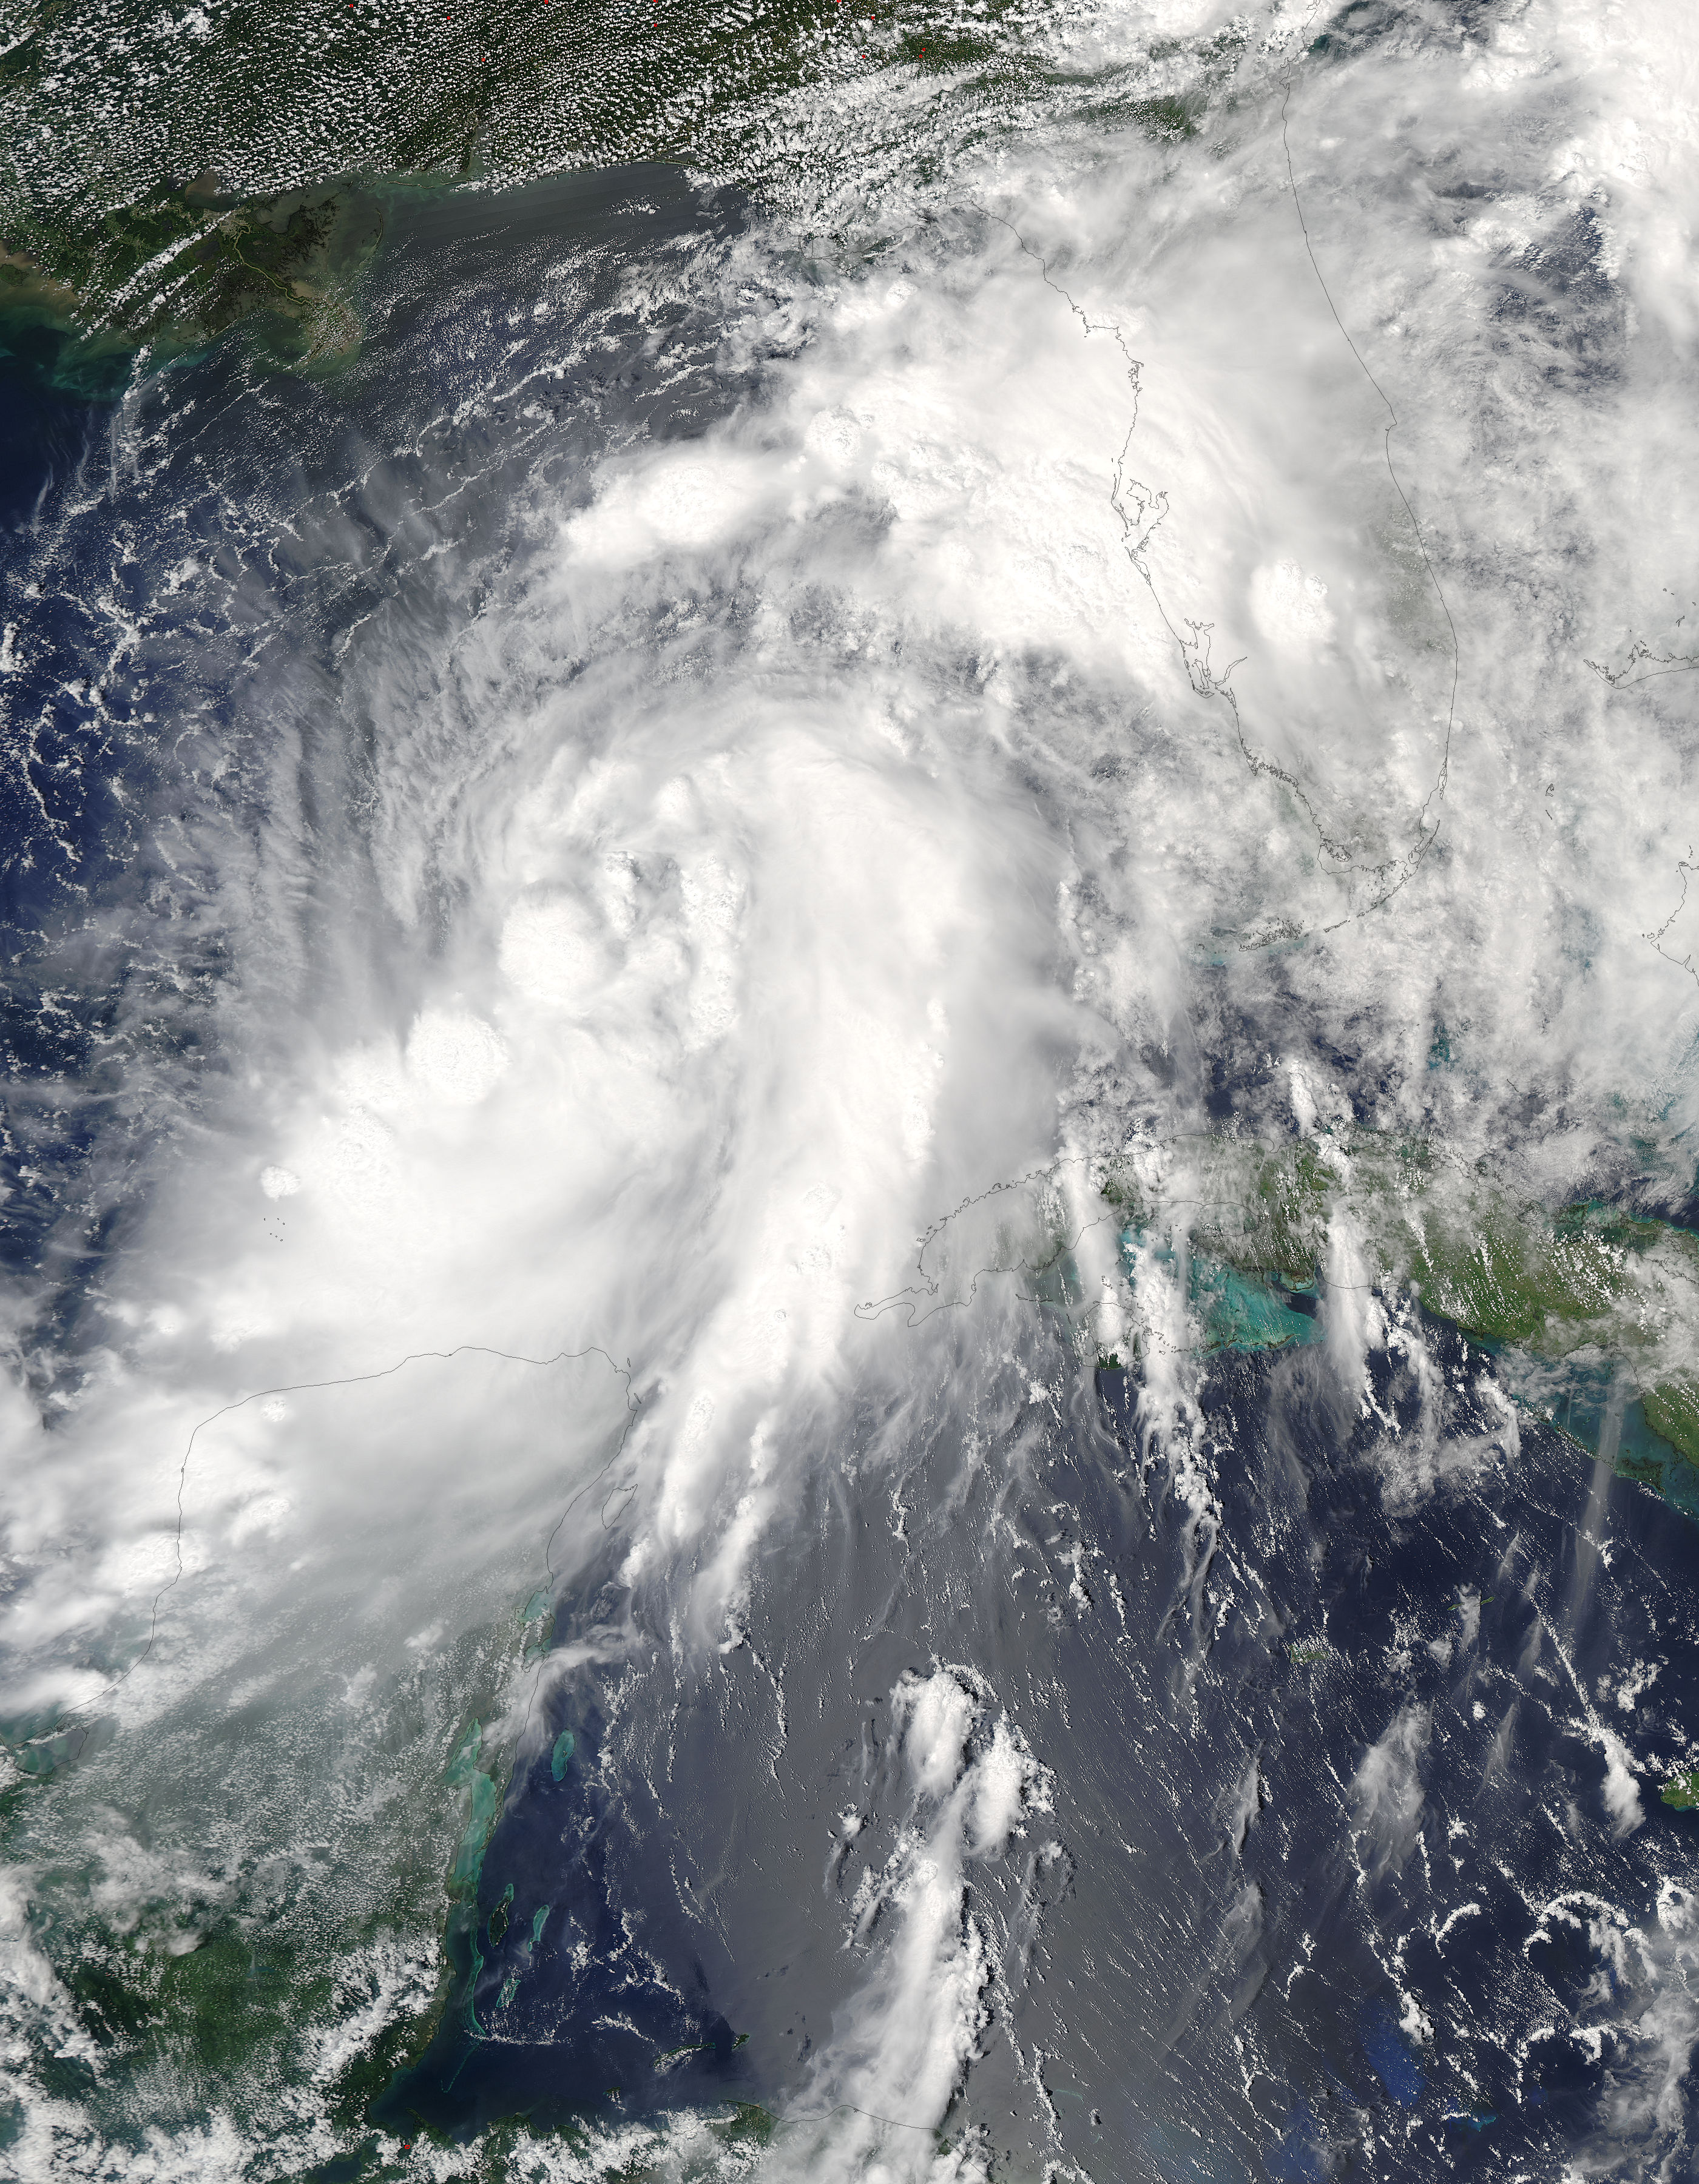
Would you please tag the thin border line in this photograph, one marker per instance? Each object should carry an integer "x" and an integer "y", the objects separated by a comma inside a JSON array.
[
  {"x": 355, "y": 1380},
  {"x": 1439, "y": 786},
  {"x": 1205, "y": 679}
]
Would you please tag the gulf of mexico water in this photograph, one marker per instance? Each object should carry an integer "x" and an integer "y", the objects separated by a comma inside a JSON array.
[{"x": 583, "y": 877}]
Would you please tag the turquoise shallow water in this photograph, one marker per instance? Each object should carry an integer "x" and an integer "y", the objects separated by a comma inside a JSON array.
[
  {"x": 1195, "y": 1924},
  {"x": 1239, "y": 1311},
  {"x": 1250, "y": 1312},
  {"x": 1588, "y": 1414},
  {"x": 57, "y": 391}
]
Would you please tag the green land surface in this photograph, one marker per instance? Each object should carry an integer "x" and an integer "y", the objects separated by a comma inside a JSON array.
[
  {"x": 166, "y": 173},
  {"x": 227, "y": 1981},
  {"x": 1682, "y": 1791},
  {"x": 1591, "y": 1311}
]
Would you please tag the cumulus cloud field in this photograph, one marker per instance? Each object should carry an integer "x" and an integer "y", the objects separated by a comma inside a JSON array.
[{"x": 1173, "y": 632}]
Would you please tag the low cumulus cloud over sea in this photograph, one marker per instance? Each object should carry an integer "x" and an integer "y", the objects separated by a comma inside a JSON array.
[{"x": 851, "y": 1303}]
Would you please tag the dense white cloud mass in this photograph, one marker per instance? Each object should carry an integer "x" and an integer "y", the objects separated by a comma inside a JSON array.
[{"x": 1186, "y": 612}]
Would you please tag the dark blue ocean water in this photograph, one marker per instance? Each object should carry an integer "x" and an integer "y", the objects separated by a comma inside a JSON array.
[
  {"x": 55, "y": 399},
  {"x": 1235, "y": 1951},
  {"x": 183, "y": 554},
  {"x": 1331, "y": 1881}
]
